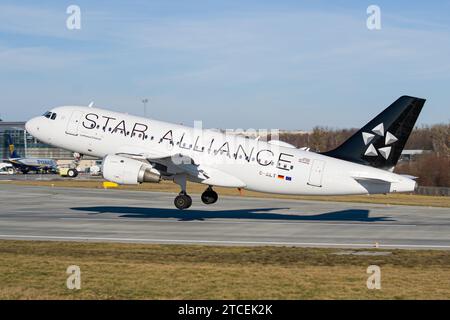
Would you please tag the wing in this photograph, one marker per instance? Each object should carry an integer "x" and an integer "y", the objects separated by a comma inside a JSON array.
[{"x": 176, "y": 163}]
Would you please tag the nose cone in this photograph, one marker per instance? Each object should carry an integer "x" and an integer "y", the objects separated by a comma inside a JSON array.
[{"x": 32, "y": 126}]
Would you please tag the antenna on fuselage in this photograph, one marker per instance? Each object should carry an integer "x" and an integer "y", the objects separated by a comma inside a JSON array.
[{"x": 91, "y": 104}]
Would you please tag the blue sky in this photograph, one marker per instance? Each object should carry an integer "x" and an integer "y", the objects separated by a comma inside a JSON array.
[{"x": 231, "y": 64}]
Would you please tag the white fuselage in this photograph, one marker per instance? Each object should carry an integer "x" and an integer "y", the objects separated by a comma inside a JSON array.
[{"x": 234, "y": 161}]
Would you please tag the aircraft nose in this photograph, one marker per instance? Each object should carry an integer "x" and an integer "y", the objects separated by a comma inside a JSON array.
[{"x": 32, "y": 126}]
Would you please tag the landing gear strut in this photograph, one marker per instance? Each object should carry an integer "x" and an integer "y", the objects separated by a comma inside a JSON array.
[
  {"x": 182, "y": 200},
  {"x": 209, "y": 196}
]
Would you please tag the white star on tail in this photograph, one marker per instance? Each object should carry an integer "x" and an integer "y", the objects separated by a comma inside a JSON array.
[
  {"x": 379, "y": 129},
  {"x": 367, "y": 137},
  {"x": 371, "y": 151},
  {"x": 389, "y": 139},
  {"x": 385, "y": 152}
]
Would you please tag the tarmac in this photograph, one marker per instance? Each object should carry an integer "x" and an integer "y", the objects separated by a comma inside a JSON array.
[{"x": 76, "y": 214}]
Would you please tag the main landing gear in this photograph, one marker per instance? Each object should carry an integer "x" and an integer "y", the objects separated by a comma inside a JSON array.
[
  {"x": 209, "y": 196},
  {"x": 184, "y": 201}
]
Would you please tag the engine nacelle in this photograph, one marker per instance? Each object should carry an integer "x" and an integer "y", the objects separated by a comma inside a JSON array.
[{"x": 123, "y": 170}]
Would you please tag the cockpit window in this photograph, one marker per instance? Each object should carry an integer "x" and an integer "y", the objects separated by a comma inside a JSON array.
[{"x": 50, "y": 115}]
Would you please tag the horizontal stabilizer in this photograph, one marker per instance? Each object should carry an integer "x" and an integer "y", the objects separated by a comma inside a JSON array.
[{"x": 373, "y": 178}]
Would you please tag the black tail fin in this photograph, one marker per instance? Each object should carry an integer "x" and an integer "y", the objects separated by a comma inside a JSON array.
[{"x": 380, "y": 142}]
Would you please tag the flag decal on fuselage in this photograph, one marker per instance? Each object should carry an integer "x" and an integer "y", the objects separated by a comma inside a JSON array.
[{"x": 281, "y": 177}]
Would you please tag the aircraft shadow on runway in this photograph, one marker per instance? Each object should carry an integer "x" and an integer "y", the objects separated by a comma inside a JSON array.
[{"x": 357, "y": 215}]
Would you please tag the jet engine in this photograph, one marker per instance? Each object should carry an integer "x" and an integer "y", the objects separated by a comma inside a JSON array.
[{"x": 123, "y": 170}]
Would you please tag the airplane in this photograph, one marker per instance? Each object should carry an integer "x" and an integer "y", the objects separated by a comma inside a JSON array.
[
  {"x": 137, "y": 150},
  {"x": 25, "y": 165}
]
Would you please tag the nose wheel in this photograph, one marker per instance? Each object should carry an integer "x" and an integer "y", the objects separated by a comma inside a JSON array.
[
  {"x": 209, "y": 196},
  {"x": 72, "y": 173}
]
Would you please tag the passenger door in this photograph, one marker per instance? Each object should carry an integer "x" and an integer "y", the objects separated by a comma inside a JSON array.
[
  {"x": 74, "y": 122},
  {"x": 316, "y": 173}
]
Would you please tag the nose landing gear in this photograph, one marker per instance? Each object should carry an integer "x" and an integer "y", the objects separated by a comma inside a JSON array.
[
  {"x": 209, "y": 196},
  {"x": 72, "y": 173}
]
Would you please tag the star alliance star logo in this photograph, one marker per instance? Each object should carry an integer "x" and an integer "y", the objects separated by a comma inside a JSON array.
[{"x": 389, "y": 139}]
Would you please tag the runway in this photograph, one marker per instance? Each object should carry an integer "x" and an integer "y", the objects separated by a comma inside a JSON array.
[{"x": 69, "y": 214}]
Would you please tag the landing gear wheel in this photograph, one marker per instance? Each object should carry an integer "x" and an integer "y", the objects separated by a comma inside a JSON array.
[
  {"x": 182, "y": 201},
  {"x": 209, "y": 196},
  {"x": 72, "y": 173}
]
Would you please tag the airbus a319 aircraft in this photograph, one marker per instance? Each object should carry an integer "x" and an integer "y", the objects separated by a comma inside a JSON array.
[{"x": 137, "y": 150}]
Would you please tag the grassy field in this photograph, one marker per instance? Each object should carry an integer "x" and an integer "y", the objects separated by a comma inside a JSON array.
[
  {"x": 37, "y": 270},
  {"x": 194, "y": 188}
]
